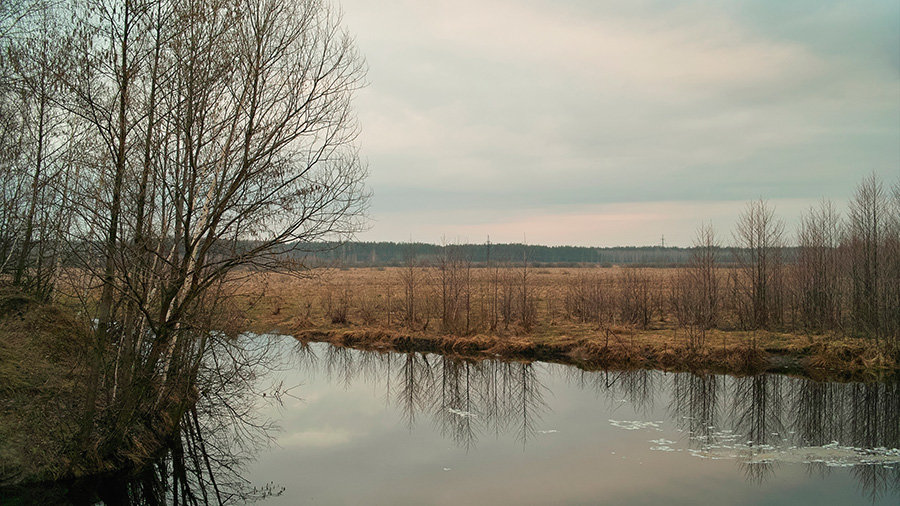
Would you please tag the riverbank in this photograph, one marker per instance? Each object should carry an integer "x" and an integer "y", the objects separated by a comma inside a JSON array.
[
  {"x": 42, "y": 373},
  {"x": 724, "y": 352},
  {"x": 45, "y": 358},
  {"x": 371, "y": 307}
]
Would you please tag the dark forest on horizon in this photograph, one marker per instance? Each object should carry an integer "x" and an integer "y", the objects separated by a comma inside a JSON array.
[{"x": 395, "y": 254}]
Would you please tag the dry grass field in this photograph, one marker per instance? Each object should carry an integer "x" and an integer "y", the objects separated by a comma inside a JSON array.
[{"x": 593, "y": 317}]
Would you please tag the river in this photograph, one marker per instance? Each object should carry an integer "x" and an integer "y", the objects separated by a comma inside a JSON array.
[
  {"x": 329, "y": 425},
  {"x": 387, "y": 428}
]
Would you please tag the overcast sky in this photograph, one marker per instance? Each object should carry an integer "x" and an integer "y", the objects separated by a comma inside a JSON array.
[{"x": 613, "y": 123}]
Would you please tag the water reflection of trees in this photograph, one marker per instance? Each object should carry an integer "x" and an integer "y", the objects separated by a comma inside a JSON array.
[
  {"x": 202, "y": 462},
  {"x": 467, "y": 399},
  {"x": 773, "y": 411},
  {"x": 767, "y": 412},
  {"x": 695, "y": 402},
  {"x": 638, "y": 388}
]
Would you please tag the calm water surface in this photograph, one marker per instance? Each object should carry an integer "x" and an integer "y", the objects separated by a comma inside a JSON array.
[{"x": 390, "y": 428}]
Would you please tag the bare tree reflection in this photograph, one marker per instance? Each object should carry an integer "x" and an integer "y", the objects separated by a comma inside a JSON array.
[
  {"x": 415, "y": 383},
  {"x": 495, "y": 394},
  {"x": 455, "y": 411},
  {"x": 531, "y": 394},
  {"x": 757, "y": 409},
  {"x": 874, "y": 414},
  {"x": 695, "y": 403},
  {"x": 340, "y": 364},
  {"x": 755, "y": 418}
]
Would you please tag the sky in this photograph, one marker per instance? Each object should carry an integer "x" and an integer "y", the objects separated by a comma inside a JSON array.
[{"x": 601, "y": 123}]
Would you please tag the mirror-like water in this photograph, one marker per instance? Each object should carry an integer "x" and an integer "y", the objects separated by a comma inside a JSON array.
[{"x": 389, "y": 428}]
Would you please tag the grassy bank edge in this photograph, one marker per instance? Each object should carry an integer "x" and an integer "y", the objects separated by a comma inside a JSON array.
[
  {"x": 44, "y": 357},
  {"x": 849, "y": 360}
]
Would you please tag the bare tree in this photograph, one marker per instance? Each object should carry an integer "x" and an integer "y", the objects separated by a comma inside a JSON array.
[
  {"x": 36, "y": 139},
  {"x": 637, "y": 300},
  {"x": 868, "y": 232},
  {"x": 219, "y": 137},
  {"x": 528, "y": 309},
  {"x": 695, "y": 297},
  {"x": 758, "y": 238},
  {"x": 493, "y": 268},
  {"x": 817, "y": 268},
  {"x": 409, "y": 278},
  {"x": 704, "y": 273}
]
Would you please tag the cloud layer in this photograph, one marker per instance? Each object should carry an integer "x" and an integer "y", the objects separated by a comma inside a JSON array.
[{"x": 559, "y": 121}]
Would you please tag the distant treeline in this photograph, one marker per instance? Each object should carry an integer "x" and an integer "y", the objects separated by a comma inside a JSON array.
[{"x": 393, "y": 254}]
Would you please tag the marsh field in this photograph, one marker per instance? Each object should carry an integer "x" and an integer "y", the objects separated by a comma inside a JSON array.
[{"x": 590, "y": 316}]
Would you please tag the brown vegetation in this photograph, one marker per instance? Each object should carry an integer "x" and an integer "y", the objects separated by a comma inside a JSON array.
[
  {"x": 41, "y": 386},
  {"x": 832, "y": 303},
  {"x": 592, "y": 317}
]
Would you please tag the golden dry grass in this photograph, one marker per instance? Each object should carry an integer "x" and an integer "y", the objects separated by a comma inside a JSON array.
[
  {"x": 374, "y": 299},
  {"x": 42, "y": 369}
]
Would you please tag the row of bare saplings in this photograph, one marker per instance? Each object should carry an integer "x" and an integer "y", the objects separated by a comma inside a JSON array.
[{"x": 842, "y": 279}]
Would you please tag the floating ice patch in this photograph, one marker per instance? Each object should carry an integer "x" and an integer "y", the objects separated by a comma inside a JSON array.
[
  {"x": 662, "y": 445},
  {"x": 635, "y": 424},
  {"x": 727, "y": 446},
  {"x": 460, "y": 413}
]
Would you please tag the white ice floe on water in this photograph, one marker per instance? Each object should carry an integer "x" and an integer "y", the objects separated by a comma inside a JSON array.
[
  {"x": 726, "y": 445},
  {"x": 663, "y": 445},
  {"x": 831, "y": 456},
  {"x": 635, "y": 424},
  {"x": 460, "y": 413}
]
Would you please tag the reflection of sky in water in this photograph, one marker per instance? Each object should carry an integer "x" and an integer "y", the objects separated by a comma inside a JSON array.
[{"x": 396, "y": 429}]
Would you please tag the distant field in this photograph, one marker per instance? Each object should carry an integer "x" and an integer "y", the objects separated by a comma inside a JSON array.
[{"x": 378, "y": 297}]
